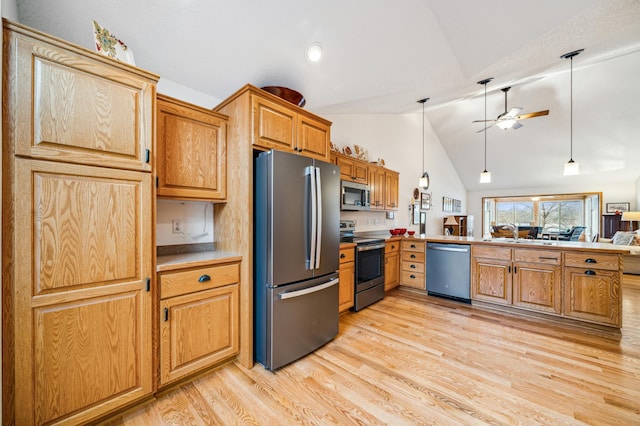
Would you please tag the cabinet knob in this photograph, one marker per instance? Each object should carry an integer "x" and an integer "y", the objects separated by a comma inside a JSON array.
[
  {"x": 589, "y": 272},
  {"x": 413, "y": 266},
  {"x": 412, "y": 276},
  {"x": 342, "y": 256},
  {"x": 204, "y": 278},
  {"x": 413, "y": 256},
  {"x": 413, "y": 246},
  {"x": 590, "y": 260}
]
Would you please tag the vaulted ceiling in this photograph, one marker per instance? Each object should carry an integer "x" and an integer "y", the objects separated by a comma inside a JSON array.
[{"x": 382, "y": 56}]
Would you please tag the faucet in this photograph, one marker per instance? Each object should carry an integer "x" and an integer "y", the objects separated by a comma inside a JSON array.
[{"x": 513, "y": 228}]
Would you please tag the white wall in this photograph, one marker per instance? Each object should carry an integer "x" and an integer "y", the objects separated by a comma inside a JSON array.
[
  {"x": 398, "y": 140},
  {"x": 196, "y": 219}
]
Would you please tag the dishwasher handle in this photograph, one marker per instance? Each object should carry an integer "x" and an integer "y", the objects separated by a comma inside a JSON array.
[{"x": 445, "y": 248}]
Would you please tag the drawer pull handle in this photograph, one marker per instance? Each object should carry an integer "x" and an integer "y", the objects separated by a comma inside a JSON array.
[
  {"x": 589, "y": 272},
  {"x": 413, "y": 246},
  {"x": 342, "y": 256},
  {"x": 413, "y": 256},
  {"x": 413, "y": 277},
  {"x": 590, "y": 260},
  {"x": 413, "y": 266},
  {"x": 204, "y": 278}
]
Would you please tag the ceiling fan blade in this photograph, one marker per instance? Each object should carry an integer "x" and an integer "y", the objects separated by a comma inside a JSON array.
[
  {"x": 533, "y": 114},
  {"x": 516, "y": 125},
  {"x": 487, "y": 127},
  {"x": 513, "y": 112},
  {"x": 481, "y": 121}
]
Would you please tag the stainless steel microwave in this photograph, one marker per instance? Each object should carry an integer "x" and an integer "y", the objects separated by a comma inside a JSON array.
[{"x": 354, "y": 196}]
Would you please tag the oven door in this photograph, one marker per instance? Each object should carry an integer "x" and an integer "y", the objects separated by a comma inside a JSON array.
[{"x": 369, "y": 266}]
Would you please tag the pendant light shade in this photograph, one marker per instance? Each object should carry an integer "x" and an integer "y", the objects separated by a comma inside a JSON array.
[
  {"x": 571, "y": 167},
  {"x": 424, "y": 179},
  {"x": 485, "y": 176}
]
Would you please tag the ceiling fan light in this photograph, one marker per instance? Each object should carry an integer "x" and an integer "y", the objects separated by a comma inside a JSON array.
[
  {"x": 506, "y": 124},
  {"x": 485, "y": 177},
  {"x": 571, "y": 168},
  {"x": 314, "y": 52}
]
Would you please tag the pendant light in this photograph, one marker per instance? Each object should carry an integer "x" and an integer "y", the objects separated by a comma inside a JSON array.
[
  {"x": 485, "y": 176},
  {"x": 424, "y": 179},
  {"x": 571, "y": 167}
]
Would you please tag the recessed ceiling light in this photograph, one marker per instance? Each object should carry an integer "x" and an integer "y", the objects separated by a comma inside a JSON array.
[{"x": 314, "y": 52}]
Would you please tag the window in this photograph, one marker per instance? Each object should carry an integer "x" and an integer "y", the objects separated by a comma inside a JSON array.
[{"x": 554, "y": 213}]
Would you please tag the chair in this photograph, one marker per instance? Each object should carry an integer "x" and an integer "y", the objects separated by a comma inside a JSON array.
[
  {"x": 572, "y": 235},
  {"x": 534, "y": 231}
]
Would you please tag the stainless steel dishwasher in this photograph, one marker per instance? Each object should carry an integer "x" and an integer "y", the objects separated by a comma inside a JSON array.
[{"x": 448, "y": 271}]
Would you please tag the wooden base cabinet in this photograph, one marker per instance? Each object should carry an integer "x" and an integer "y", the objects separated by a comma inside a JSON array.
[
  {"x": 413, "y": 264},
  {"x": 77, "y": 231},
  {"x": 391, "y": 264},
  {"x": 347, "y": 277},
  {"x": 592, "y": 288},
  {"x": 199, "y": 319},
  {"x": 491, "y": 275}
]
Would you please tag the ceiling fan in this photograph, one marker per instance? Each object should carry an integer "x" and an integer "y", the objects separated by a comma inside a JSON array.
[{"x": 509, "y": 119}]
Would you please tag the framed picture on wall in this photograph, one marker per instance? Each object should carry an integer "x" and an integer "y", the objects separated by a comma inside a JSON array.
[
  {"x": 618, "y": 207},
  {"x": 425, "y": 201}
]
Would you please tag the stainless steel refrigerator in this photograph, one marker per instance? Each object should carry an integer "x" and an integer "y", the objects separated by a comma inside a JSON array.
[{"x": 296, "y": 246}]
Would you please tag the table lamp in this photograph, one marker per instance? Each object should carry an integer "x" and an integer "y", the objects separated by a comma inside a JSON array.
[
  {"x": 450, "y": 222},
  {"x": 631, "y": 217}
]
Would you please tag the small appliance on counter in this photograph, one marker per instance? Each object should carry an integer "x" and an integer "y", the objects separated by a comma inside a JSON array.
[{"x": 369, "y": 279}]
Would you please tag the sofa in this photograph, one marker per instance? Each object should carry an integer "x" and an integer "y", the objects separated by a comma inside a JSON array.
[{"x": 631, "y": 241}]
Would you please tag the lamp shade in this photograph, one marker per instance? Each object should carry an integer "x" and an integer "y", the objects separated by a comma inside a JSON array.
[
  {"x": 485, "y": 177},
  {"x": 571, "y": 168},
  {"x": 632, "y": 216},
  {"x": 450, "y": 221}
]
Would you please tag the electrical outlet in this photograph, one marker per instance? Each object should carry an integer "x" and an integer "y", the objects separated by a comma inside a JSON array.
[{"x": 177, "y": 226}]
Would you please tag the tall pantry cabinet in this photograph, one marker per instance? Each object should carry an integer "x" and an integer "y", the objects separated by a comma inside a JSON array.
[{"x": 77, "y": 231}]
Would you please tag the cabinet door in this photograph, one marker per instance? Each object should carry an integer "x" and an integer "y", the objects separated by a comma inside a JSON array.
[
  {"x": 353, "y": 170},
  {"x": 81, "y": 300},
  {"x": 593, "y": 295},
  {"x": 391, "y": 190},
  {"x": 192, "y": 151},
  {"x": 347, "y": 276},
  {"x": 377, "y": 182},
  {"x": 537, "y": 287},
  {"x": 313, "y": 137},
  {"x": 391, "y": 270},
  {"x": 197, "y": 330},
  {"x": 274, "y": 126},
  {"x": 491, "y": 281},
  {"x": 71, "y": 107}
]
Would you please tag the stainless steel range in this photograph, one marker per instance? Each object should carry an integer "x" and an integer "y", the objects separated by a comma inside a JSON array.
[{"x": 369, "y": 279}]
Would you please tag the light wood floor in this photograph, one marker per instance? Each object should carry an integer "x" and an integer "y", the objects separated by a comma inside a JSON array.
[{"x": 415, "y": 359}]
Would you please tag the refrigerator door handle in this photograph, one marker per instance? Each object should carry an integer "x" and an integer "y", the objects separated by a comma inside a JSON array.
[
  {"x": 310, "y": 171},
  {"x": 318, "y": 218},
  {"x": 309, "y": 290}
]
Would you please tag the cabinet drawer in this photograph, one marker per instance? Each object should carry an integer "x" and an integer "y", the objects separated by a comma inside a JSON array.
[
  {"x": 392, "y": 247},
  {"x": 413, "y": 279},
  {"x": 547, "y": 257},
  {"x": 191, "y": 280},
  {"x": 413, "y": 266},
  {"x": 412, "y": 246},
  {"x": 413, "y": 257},
  {"x": 497, "y": 253},
  {"x": 610, "y": 262},
  {"x": 347, "y": 255}
]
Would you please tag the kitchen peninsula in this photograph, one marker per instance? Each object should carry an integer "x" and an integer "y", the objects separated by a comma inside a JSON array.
[{"x": 562, "y": 280}]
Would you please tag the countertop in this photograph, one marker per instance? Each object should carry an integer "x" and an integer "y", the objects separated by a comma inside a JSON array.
[
  {"x": 524, "y": 243},
  {"x": 189, "y": 260}
]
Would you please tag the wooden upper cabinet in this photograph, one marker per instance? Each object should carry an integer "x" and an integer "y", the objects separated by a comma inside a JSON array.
[
  {"x": 69, "y": 104},
  {"x": 313, "y": 137},
  {"x": 191, "y": 151},
  {"x": 280, "y": 125},
  {"x": 352, "y": 169},
  {"x": 274, "y": 125},
  {"x": 391, "y": 190}
]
